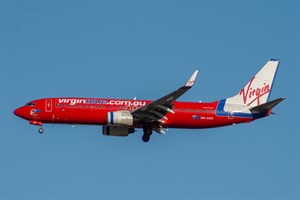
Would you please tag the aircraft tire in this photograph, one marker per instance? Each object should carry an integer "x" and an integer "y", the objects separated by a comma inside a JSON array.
[
  {"x": 41, "y": 130},
  {"x": 146, "y": 137}
]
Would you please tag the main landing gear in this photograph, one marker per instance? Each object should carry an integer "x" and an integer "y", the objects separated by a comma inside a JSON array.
[{"x": 147, "y": 133}]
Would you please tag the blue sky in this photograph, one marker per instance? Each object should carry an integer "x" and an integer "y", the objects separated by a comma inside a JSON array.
[{"x": 145, "y": 49}]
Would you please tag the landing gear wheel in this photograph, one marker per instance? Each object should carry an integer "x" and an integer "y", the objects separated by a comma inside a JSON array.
[
  {"x": 146, "y": 137},
  {"x": 41, "y": 130},
  {"x": 147, "y": 133}
]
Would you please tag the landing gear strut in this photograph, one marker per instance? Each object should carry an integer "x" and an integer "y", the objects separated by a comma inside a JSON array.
[
  {"x": 147, "y": 133},
  {"x": 37, "y": 123},
  {"x": 41, "y": 130}
]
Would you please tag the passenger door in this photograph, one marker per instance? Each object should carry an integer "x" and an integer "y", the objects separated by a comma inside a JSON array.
[{"x": 48, "y": 105}]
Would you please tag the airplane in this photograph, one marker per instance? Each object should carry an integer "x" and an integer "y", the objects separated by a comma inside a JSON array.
[{"x": 121, "y": 117}]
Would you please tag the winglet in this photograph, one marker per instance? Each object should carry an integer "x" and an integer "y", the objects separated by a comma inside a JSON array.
[{"x": 191, "y": 81}]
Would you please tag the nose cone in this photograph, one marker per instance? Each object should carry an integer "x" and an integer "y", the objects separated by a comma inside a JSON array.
[{"x": 19, "y": 112}]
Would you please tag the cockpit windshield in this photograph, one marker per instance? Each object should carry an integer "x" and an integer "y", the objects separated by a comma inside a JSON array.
[{"x": 31, "y": 104}]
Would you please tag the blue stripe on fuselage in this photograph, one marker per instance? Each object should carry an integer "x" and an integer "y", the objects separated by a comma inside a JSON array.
[{"x": 220, "y": 111}]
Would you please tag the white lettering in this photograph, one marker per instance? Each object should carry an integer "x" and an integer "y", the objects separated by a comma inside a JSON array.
[
  {"x": 127, "y": 103},
  {"x": 72, "y": 102}
]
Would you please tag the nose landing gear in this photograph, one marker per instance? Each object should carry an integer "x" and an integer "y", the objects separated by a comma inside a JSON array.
[
  {"x": 37, "y": 123},
  {"x": 41, "y": 130}
]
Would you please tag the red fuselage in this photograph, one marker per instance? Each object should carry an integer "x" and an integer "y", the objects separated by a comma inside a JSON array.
[{"x": 94, "y": 111}]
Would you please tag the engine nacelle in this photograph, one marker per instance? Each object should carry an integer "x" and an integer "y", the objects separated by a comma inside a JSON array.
[
  {"x": 120, "y": 118},
  {"x": 117, "y": 130}
]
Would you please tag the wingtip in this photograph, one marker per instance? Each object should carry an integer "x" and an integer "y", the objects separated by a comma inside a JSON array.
[
  {"x": 275, "y": 59},
  {"x": 282, "y": 98},
  {"x": 192, "y": 79}
]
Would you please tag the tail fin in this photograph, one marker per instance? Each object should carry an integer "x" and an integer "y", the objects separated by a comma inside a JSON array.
[{"x": 258, "y": 89}]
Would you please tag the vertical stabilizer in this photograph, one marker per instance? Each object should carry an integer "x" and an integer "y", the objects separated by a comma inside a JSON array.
[{"x": 258, "y": 89}]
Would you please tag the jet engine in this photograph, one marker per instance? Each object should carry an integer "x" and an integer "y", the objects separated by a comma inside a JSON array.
[
  {"x": 117, "y": 130},
  {"x": 120, "y": 118}
]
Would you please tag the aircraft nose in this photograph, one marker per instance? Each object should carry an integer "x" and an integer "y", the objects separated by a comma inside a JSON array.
[{"x": 19, "y": 112}]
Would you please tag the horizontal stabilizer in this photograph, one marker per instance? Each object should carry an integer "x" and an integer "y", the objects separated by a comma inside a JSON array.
[{"x": 266, "y": 107}]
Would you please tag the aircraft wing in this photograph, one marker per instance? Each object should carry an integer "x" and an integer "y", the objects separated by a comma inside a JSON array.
[{"x": 157, "y": 109}]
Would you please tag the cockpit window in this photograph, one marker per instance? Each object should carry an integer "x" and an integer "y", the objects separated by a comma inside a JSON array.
[{"x": 31, "y": 104}]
